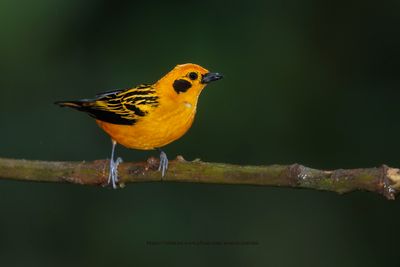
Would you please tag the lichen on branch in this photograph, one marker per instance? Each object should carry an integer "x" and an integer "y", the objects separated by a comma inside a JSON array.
[{"x": 382, "y": 180}]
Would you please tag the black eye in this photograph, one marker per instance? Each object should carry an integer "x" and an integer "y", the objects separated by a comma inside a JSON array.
[{"x": 193, "y": 76}]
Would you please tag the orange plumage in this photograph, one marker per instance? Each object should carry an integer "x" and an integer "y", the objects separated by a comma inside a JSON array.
[{"x": 149, "y": 116}]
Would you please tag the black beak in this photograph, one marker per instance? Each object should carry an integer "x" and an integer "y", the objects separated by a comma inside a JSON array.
[{"x": 210, "y": 77}]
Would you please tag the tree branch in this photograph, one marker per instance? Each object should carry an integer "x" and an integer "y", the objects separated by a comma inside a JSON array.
[{"x": 383, "y": 180}]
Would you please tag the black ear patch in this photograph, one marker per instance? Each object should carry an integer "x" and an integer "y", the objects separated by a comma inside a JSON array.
[{"x": 181, "y": 86}]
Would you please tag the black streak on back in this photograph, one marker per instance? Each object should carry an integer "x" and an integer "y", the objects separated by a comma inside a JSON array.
[
  {"x": 135, "y": 110},
  {"x": 108, "y": 116},
  {"x": 181, "y": 86}
]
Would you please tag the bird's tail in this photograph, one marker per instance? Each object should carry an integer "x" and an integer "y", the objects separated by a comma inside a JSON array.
[{"x": 78, "y": 104}]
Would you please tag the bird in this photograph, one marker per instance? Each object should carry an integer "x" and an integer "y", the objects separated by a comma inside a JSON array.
[{"x": 148, "y": 116}]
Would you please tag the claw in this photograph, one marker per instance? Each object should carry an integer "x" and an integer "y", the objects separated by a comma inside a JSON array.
[
  {"x": 113, "y": 175},
  {"x": 113, "y": 172},
  {"x": 163, "y": 163}
]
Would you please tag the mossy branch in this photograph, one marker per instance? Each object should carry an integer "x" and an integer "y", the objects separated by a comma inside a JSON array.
[{"x": 382, "y": 180}]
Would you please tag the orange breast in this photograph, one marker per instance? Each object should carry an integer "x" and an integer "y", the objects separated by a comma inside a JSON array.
[{"x": 156, "y": 129}]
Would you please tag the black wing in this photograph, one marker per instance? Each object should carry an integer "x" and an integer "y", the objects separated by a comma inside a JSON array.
[{"x": 119, "y": 106}]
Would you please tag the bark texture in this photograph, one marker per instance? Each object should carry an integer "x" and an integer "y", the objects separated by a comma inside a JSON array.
[{"x": 382, "y": 180}]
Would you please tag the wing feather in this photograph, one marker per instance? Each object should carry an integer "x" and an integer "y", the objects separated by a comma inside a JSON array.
[{"x": 124, "y": 107}]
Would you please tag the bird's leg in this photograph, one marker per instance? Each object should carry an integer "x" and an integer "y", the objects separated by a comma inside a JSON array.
[
  {"x": 163, "y": 162},
  {"x": 113, "y": 175}
]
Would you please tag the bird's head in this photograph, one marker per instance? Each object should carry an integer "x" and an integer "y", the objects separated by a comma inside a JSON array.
[{"x": 185, "y": 82}]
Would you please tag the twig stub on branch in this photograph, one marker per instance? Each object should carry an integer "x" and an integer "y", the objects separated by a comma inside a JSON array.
[{"x": 383, "y": 180}]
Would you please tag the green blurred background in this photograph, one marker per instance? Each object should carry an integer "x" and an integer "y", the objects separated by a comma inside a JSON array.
[{"x": 313, "y": 82}]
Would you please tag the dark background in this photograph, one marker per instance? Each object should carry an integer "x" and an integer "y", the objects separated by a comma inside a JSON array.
[{"x": 313, "y": 82}]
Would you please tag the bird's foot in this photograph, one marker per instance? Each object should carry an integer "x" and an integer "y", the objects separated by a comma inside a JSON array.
[
  {"x": 163, "y": 163},
  {"x": 113, "y": 175}
]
